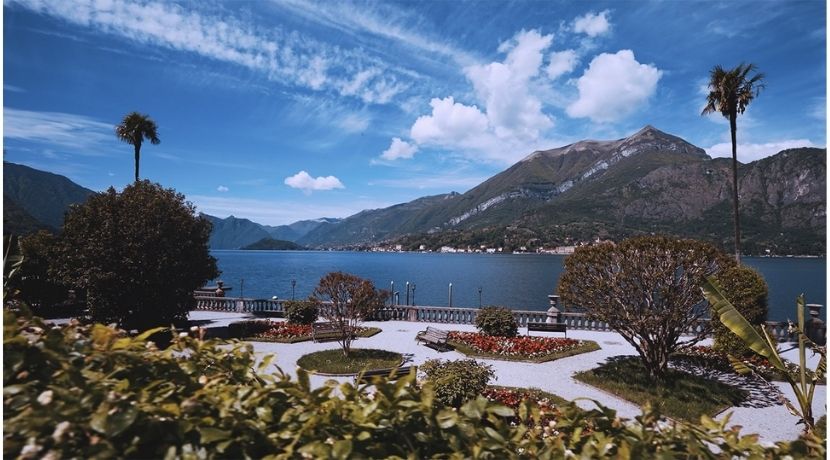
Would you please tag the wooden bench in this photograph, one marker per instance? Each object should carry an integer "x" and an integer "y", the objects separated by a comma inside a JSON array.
[
  {"x": 326, "y": 330},
  {"x": 547, "y": 327},
  {"x": 393, "y": 373},
  {"x": 434, "y": 338}
]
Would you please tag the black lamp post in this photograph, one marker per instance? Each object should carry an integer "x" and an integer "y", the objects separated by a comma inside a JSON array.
[
  {"x": 413, "y": 293},
  {"x": 293, "y": 284},
  {"x": 479, "y": 297}
]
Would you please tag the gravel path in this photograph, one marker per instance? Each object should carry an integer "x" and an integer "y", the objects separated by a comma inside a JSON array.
[{"x": 762, "y": 415}]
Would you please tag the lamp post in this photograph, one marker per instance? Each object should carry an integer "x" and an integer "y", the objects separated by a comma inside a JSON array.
[
  {"x": 293, "y": 284},
  {"x": 450, "y": 295},
  {"x": 479, "y": 297},
  {"x": 407, "y": 293},
  {"x": 413, "y": 294}
]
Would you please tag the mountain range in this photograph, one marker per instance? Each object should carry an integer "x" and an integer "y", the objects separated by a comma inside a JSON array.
[{"x": 649, "y": 182}]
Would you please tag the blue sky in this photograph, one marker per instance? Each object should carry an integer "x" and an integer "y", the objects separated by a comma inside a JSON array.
[{"x": 287, "y": 110}]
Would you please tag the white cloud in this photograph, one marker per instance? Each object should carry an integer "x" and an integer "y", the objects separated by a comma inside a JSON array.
[
  {"x": 751, "y": 152},
  {"x": 451, "y": 123},
  {"x": 399, "y": 149},
  {"x": 83, "y": 135},
  {"x": 592, "y": 24},
  {"x": 381, "y": 20},
  {"x": 614, "y": 86},
  {"x": 222, "y": 189},
  {"x": 303, "y": 181},
  {"x": 354, "y": 122},
  {"x": 283, "y": 56},
  {"x": 561, "y": 63},
  {"x": 12, "y": 88}
]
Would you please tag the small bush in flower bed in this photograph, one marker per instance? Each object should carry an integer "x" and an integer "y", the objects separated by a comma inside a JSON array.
[
  {"x": 497, "y": 321},
  {"x": 456, "y": 382},
  {"x": 712, "y": 358},
  {"x": 301, "y": 311},
  {"x": 522, "y": 348}
]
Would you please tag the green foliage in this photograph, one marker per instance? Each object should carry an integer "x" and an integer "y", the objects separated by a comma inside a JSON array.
[
  {"x": 802, "y": 383},
  {"x": 134, "y": 129},
  {"x": 497, "y": 321},
  {"x": 301, "y": 311},
  {"x": 248, "y": 328},
  {"x": 747, "y": 291},
  {"x": 12, "y": 261},
  {"x": 360, "y": 359},
  {"x": 37, "y": 288},
  {"x": 456, "y": 382},
  {"x": 647, "y": 289},
  {"x": 93, "y": 392},
  {"x": 139, "y": 254}
]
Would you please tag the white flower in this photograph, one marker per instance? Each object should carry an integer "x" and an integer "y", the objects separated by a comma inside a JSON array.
[
  {"x": 60, "y": 431},
  {"x": 182, "y": 335},
  {"x": 45, "y": 397},
  {"x": 203, "y": 380}
]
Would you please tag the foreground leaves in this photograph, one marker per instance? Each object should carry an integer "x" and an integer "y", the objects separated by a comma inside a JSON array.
[{"x": 93, "y": 392}]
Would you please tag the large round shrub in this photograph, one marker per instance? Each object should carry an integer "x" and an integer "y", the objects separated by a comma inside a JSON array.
[
  {"x": 138, "y": 253},
  {"x": 458, "y": 381},
  {"x": 498, "y": 321},
  {"x": 747, "y": 291},
  {"x": 301, "y": 311}
]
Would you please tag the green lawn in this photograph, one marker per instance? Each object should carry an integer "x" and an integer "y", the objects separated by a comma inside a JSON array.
[
  {"x": 682, "y": 396},
  {"x": 586, "y": 347},
  {"x": 359, "y": 359}
]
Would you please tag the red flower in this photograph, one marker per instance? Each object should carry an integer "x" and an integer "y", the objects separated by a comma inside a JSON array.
[{"x": 514, "y": 346}]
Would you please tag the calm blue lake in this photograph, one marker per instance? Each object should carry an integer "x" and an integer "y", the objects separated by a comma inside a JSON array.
[{"x": 520, "y": 281}]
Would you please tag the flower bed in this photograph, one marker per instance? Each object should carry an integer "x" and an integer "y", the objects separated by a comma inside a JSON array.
[
  {"x": 547, "y": 403},
  {"x": 283, "y": 331},
  {"x": 522, "y": 348}
]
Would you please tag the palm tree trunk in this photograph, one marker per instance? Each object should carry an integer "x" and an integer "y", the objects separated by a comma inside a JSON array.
[
  {"x": 137, "y": 150},
  {"x": 733, "y": 128}
]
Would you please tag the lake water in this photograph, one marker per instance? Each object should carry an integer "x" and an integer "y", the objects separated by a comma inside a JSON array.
[{"x": 520, "y": 281}]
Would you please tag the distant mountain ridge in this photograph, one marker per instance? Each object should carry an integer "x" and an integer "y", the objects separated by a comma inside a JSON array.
[
  {"x": 35, "y": 199},
  {"x": 648, "y": 182},
  {"x": 237, "y": 233}
]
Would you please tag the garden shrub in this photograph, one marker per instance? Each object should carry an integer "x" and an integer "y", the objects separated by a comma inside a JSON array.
[
  {"x": 248, "y": 328},
  {"x": 301, "y": 311},
  {"x": 497, "y": 321},
  {"x": 456, "y": 382},
  {"x": 79, "y": 391},
  {"x": 747, "y": 291}
]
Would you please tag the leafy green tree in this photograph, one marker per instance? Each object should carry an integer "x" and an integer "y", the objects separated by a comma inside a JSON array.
[
  {"x": 134, "y": 129},
  {"x": 747, "y": 291},
  {"x": 347, "y": 300},
  {"x": 37, "y": 287},
  {"x": 730, "y": 92},
  {"x": 139, "y": 254},
  {"x": 647, "y": 289}
]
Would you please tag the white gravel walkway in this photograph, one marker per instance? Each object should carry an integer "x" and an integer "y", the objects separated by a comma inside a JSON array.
[{"x": 772, "y": 423}]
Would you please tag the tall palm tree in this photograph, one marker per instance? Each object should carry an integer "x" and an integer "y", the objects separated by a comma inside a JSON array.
[
  {"x": 133, "y": 129},
  {"x": 730, "y": 92}
]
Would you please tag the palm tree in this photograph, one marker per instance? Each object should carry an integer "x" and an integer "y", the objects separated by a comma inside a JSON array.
[
  {"x": 730, "y": 91},
  {"x": 134, "y": 128}
]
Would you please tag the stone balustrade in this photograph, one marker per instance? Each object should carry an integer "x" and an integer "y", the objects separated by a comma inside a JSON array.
[{"x": 455, "y": 315}]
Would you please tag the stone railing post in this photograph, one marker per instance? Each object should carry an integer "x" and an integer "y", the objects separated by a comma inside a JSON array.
[
  {"x": 412, "y": 314},
  {"x": 240, "y": 305},
  {"x": 553, "y": 311},
  {"x": 816, "y": 329}
]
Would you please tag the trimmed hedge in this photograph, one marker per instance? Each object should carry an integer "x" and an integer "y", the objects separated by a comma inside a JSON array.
[
  {"x": 456, "y": 382},
  {"x": 301, "y": 312},
  {"x": 81, "y": 391},
  {"x": 498, "y": 321},
  {"x": 248, "y": 328},
  {"x": 748, "y": 292}
]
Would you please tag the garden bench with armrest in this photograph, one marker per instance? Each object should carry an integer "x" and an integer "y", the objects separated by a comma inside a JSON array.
[
  {"x": 547, "y": 327},
  {"x": 434, "y": 338}
]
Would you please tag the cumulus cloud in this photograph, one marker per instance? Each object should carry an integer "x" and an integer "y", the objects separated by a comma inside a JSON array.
[
  {"x": 303, "y": 181},
  {"x": 613, "y": 86},
  {"x": 561, "y": 62},
  {"x": 222, "y": 189},
  {"x": 592, "y": 24},
  {"x": 449, "y": 124},
  {"x": 751, "y": 152},
  {"x": 399, "y": 149}
]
